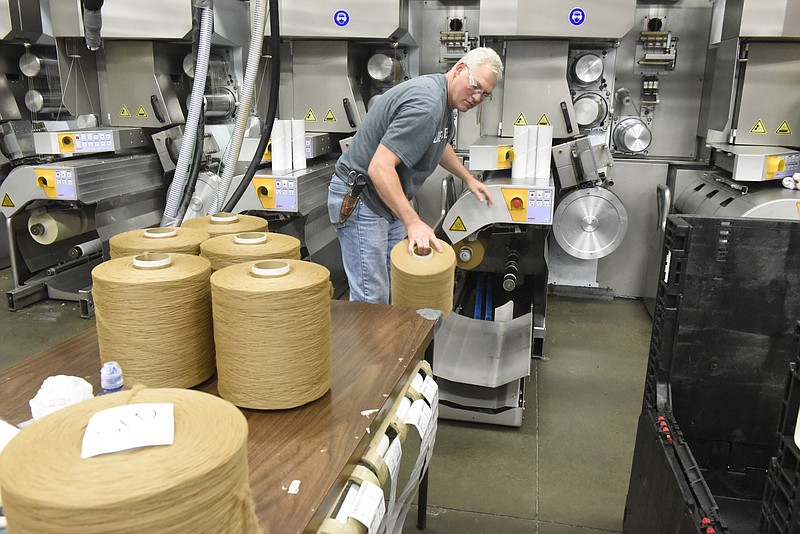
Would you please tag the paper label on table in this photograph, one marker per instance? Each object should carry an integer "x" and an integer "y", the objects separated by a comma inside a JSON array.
[
  {"x": 429, "y": 389},
  {"x": 130, "y": 426},
  {"x": 369, "y": 507}
]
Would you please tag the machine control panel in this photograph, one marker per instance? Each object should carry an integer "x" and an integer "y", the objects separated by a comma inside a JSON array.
[
  {"x": 72, "y": 143},
  {"x": 100, "y": 141},
  {"x": 277, "y": 193},
  {"x": 533, "y": 205},
  {"x": 57, "y": 182},
  {"x": 756, "y": 163}
]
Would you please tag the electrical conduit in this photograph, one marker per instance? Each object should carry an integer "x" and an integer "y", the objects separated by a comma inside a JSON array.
[
  {"x": 245, "y": 105},
  {"x": 272, "y": 107},
  {"x": 190, "y": 131}
]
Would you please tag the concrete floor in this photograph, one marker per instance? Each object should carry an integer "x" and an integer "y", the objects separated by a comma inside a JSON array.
[{"x": 564, "y": 471}]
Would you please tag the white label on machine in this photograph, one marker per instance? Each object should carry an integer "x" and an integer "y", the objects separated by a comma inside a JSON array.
[{"x": 129, "y": 427}]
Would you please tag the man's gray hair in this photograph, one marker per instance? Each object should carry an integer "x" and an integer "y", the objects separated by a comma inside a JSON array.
[{"x": 485, "y": 56}]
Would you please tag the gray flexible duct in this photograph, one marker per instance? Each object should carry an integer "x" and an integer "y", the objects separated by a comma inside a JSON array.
[
  {"x": 243, "y": 113},
  {"x": 190, "y": 130}
]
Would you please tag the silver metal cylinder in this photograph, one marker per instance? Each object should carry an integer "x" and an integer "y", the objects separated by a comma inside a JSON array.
[
  {"x": 215, "y": 65},
  {"x": 42, "y": 102},
  {"x": 86, "y": 249},
  {"x": 587, "y": 69},
  {"x": 33, "y": 64},
  {"x": 220, "y": 103},
  {"x": 512, "y": 271},
  {"x": 383, "y": 68},
  {"x": 632, "y": 135},
  {"x": 590, "y": 110}
]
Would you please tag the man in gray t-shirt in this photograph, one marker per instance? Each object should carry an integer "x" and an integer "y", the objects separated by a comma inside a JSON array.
[{"x": 405, "y": 135}]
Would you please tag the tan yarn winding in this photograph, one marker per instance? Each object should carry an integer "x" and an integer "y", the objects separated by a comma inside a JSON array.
[
  {"x": 225, "y": 250},
  {"x": 199, "y": 484},
  {"x": 181, "y": 240},
  {"x": 227, "y": 223},
  {"x": 420, "y": 283},
  {"x": 156, "y": 323},
  {"x": 273, "y": 334},
  {"x": 477, "y": 248}
]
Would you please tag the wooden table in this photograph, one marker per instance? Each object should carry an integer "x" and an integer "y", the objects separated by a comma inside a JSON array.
[{"x": 374, "y": 351}]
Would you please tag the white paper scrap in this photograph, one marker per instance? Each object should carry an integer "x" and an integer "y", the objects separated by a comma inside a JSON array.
[
  {"x": 130, "y": 426},
  {"x": 294, "y": 487}
]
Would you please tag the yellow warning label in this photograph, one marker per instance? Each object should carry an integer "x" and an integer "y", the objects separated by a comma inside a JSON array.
[
  {"x": 458, "y": 226},
  {"x": 521, "y": 120},
  {"x": 784, "y": 129},
  {"x": 758, "y": 128},
  {"x": 329, "y": 116},
  {"x": 310, "y": 117},
  {"x": 141, "y": 113},
  {"x": 7, "y": 203},
  {"x": 124, "y": 111},
  {"x": 543, "y": 121}
]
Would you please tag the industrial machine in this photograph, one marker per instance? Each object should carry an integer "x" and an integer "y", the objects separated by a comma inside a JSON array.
[
  {"x": 88, "y": 169},
  {"x": 20, "y": 27},
  {"x": 566, "y": 57}
]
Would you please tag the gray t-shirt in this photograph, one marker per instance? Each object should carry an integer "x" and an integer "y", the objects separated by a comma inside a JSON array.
[{"x": 413, "y": 120}]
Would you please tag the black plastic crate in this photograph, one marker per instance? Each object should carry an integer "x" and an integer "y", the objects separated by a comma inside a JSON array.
[
  {"x": 667, "y": 491},
  {"x": 780, "y": 511},
  {"x": 722, "y": 339}
]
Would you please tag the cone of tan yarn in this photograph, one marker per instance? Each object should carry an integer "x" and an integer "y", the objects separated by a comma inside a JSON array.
[
  {"x": 230, "y": 249},
  {"x": 272, "y": 328},
  {"x": 181, "y": 240},
  {"x": 423, "y": 280},
  {"x": 198, "y": 484},
  {"x": 153, "y": 317},
  {"x": 227, "y": 223}
]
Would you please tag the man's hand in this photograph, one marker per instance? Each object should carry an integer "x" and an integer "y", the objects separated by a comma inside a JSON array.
[
  {"x": 480, "y": 191},
  {"x": 421, "y": 237}
]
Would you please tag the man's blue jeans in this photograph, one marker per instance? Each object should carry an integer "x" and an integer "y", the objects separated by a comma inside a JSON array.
[{"x": 366, "y": 240}]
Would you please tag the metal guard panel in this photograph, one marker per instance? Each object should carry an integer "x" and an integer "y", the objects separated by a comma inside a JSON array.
[
  {"x": 599, "y": 19},
  {"x": 468, "y": 215},
  {"x": 483, "y": 353}
]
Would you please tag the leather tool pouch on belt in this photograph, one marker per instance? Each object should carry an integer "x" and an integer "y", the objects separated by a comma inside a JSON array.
[{"x": 350, "y": 199}]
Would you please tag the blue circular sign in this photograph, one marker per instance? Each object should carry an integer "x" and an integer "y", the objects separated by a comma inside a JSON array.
[
  {"x": 341, "y": 18},
  {"x": 577, "y": 16}
]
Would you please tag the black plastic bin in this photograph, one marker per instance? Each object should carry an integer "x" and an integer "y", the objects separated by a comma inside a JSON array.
[
  {"x": 722, "y": 340},
  {"x": 780, "y": 511}
]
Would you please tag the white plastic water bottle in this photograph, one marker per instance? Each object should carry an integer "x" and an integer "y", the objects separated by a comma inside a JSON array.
[{"x": 110, "y": 378}]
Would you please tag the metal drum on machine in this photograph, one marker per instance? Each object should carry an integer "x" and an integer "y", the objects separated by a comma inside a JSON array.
[{"x": 590, "y": 223}]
